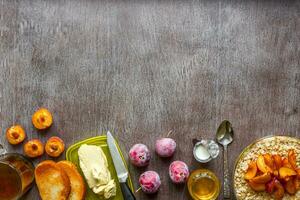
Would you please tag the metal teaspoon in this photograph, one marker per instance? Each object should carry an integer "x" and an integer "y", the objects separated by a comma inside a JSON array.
[{"x": 225, "y": 137}]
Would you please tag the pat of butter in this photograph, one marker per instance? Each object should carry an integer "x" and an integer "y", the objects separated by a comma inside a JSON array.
[{"x": 94, "y": 166}]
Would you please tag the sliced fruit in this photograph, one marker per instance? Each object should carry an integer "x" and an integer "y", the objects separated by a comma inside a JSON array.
[
  {"x": 290, "y": 187},
  {"x": 292, "y": 158},
  {"x": 279, "y": 190},
  {"x": 286, "y": 163},
  {"x": 274, "y": 174},
  {"x": 262, "y": 165},
  {"x": 258, "y": 187},
  {"x": 251, "y": 171},
  {"x": 270, "y": 186},
  {"x": 266, "y": 177},
  {"x": 278, "y": 161},
  {"x": 15, "y": 134},
  {"x": 42, "y": 119},
  {"x": 285, "y": 172},
  {"x": 54, "y": 146},
  {"x": 34, "y": 148},
  {"x": 269, "y": 161}
]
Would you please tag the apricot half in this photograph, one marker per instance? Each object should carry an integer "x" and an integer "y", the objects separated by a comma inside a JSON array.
[
  {"x": 34, "y": 148},
  {"x": 54, "y": 146},
  {"x": 266, "y": 177},
  {"x": 251, "y": 171},
  {"x": 15, "y": 134},
  {"x": 262, "y": 166},
  {"x": 285, "y": 172},
  {"x": 42, "y": 119},
  {"x": 277, "y": 161},
  {"x": 258, "y": 187}
]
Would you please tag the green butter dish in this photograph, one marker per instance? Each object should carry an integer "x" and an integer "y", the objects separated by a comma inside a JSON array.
[{"x": 72, "y": 155}]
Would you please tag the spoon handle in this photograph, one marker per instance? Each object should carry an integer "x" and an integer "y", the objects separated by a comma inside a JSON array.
[{"x": 226, "y": 175}]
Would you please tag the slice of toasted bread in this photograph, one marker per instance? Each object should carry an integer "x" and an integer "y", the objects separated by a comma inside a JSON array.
[
  {"x": 76, "y": 180},
  {"x": 52, "y": 182}
]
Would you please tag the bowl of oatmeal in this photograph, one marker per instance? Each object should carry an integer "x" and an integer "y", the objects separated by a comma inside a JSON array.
[{"x": 268, "y": 145}]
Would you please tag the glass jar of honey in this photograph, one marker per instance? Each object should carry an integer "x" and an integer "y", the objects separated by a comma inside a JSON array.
[
  {"x": 16, "y": 175},
  {"x": 203, "y": 185}
]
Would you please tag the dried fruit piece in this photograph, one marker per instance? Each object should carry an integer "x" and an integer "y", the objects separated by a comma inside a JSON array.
[
  {"x": 285, "y": 172},
  {"x": 258, "y": 187},
  {"x": 262, "y": 165},
  {"x": 290, "y": 187},
  {"x": 292, "y": 158},
  {"x": 251, "y": 171},
  {"x": 266, "y": 177},
  {"x": 277, "y": 161},
  {"x": 42, "y": 119},
  {"x": 15, "y": 134}
]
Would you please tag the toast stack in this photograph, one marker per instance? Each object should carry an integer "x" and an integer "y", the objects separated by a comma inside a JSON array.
[{"x": 59, "y": 181}]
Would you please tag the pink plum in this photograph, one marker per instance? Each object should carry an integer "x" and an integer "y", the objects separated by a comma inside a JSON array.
[
  {"x": 149, "y": 182},
  {"x": 139, "y": 155},
  {"x": 165, "y": 147},
  {"x": 179, "y": 172}
]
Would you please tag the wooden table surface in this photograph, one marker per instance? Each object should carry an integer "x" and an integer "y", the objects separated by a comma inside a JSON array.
[{"x": 141, "y": 68}]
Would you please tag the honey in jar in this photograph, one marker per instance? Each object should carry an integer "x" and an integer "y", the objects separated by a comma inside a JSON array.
[{"x": 203, "y": 185}]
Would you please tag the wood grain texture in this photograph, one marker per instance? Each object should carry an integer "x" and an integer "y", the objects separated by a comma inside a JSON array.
[{"x": 141, "y": 68}]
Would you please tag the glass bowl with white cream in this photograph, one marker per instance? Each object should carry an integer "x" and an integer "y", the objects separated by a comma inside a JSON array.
[{"x": 205, "y": 150}]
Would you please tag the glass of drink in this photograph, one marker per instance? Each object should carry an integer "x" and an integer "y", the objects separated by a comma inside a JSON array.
[{"x": 16, "y": 175}]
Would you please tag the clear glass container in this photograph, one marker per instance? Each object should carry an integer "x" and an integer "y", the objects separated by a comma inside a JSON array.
[
  {"x": 203, "y": 184},
  {"x": 16, "y": 175}
]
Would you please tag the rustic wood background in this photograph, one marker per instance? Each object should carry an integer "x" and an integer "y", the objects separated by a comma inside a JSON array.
[{"x": 141, "y": 68}]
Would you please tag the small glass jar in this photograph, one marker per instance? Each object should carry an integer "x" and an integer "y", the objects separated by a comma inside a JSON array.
[
  {"x": 203, "y": 184},
  {"x": 16, "y": 175},
  {"x": 205, "y": 150}
]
